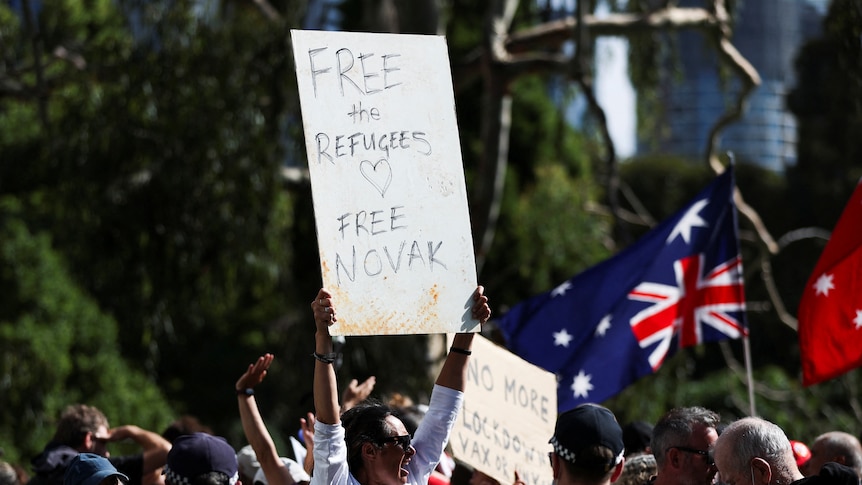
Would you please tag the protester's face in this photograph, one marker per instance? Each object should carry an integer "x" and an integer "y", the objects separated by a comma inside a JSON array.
[
  {"x": 394, "y": 459},
  {"x": 697, "y": 468},
  {"x": 100, "y": 442}
]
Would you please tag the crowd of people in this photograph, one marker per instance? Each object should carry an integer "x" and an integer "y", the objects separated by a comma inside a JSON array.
[{"x": 351, "y": 439}]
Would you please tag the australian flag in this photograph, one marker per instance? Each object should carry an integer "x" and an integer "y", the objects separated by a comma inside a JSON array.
[{"x": 679, "y": 285}]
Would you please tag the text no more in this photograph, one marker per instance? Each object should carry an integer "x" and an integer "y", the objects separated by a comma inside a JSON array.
[{"x": 489, "y": 440}]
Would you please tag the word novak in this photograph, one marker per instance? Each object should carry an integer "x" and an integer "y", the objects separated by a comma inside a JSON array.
[{"x": 368, "y": 224}]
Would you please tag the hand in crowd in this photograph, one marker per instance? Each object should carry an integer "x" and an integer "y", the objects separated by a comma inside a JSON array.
[
  {"x": 307, "y": 426},
  {"x": 355, "y": 392},
  {"x": 324, "y": 312},
  {"x": 125, "y": 432},
  {"x": 255, "y": 373},
  {"x": 518, "y": 479}
]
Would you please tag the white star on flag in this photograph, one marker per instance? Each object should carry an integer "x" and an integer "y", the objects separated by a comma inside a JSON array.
[
  {"x": 581, "y": 385},
  {"x": 690, "y": 220},
  {"x": 562, "y": 338},
  {"x": 858, "y": 320},
  {"x": 824, "y": 284},
  {"x": 561, "y": 290},
  {"x": 603, "y": 326}
]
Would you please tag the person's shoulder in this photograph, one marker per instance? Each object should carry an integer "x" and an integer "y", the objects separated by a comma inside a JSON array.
[
  {"x": 838, "y": 474},
  {"x": 831, "y": 473}
]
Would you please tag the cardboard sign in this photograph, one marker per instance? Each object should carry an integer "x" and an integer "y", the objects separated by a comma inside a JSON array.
[
  {"x": 387, "y": 180},
  {"x": 510, "y": 409}
]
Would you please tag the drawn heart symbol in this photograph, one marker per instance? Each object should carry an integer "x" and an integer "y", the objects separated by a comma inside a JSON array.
[{"x": 379, "y": 174}]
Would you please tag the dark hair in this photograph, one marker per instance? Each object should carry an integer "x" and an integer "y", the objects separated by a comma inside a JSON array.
[
  {"x": 364, "y": 423},
  {"x": 636, "y": 437},
  {"x": 76, "y": 421},
  {"x": 186, "y": 424},
  {"x": 410, "y": 417},
  {"x": 676, "y": 427},
  {"x": 592, "y": 465}
]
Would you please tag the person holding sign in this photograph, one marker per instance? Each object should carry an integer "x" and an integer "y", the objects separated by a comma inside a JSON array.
[
  {"x": 588, "y": 447},
  {"x": 368, "y": 445}
]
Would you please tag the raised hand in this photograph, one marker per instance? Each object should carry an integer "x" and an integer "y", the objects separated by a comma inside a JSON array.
[{"x": 255, "y": 373}]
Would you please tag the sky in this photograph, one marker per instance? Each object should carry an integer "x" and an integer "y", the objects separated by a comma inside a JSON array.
[
  {"x": 614, "y": 90},
  {"x": 615, "y": 94}
]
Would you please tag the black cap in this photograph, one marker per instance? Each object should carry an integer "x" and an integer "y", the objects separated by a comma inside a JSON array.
[{"x": 585, "y": 426}]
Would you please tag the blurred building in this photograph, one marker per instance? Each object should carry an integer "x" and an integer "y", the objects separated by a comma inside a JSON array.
[{"x": 768, "y": 33}]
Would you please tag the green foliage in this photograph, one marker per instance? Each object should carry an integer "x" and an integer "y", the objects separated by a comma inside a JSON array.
[
  {"x": 57, "y": 347},
  {"x": 158, "y": 172},
  {"x": 547, "y": 231},
  {"x": 557, "y": 235}
]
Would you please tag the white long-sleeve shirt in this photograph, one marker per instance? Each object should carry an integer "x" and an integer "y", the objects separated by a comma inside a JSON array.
[{"x": 330, "y": 449}]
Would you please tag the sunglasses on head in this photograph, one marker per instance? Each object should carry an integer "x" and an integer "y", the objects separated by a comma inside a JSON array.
[{"x": 402, "y": 441}]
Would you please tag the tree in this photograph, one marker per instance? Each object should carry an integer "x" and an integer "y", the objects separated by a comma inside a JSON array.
[
  {"x": 57, "y": 347},
  {"x": 157, "y": 167}
]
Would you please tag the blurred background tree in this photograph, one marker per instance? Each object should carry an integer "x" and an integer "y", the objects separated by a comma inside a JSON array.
[{"x": 158, "y": 233}]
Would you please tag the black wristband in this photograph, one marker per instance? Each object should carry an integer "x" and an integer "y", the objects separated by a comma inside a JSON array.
[
  {"x": 325, "y": 358},
  {"x": 460, "y": 351},
  {"x": 245, "y": 392}
]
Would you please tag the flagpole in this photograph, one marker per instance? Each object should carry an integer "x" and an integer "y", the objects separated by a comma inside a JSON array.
[
  {"x": 749, "y": 375},
  {"x": 746, "y": 346}
]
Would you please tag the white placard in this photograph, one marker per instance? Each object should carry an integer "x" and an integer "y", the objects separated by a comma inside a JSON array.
[
  {"x": 390, "y": 202},
  {"x": 510, "y": 409}
]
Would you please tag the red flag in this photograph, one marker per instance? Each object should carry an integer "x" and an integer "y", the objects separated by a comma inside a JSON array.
[{"x": 830, "y": 313}]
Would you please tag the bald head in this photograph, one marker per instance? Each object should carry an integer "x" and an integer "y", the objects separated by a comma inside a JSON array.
[
  {"x": 756, "y": 448},
  {"x": 837, "y": 446}
]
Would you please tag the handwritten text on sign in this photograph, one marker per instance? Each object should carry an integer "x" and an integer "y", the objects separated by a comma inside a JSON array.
[
  {"x": 387, "y": 180},
  {"x": 508, "y": 417}
]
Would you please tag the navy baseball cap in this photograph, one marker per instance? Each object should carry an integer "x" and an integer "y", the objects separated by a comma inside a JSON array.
[
  {"x": 193, "y": 455},
  {"x": 90, "y": 469}
]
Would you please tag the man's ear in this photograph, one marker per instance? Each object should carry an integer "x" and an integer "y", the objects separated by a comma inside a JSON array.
[
  {"x": 674, "y": 458},
  {"x": 618, "y": 470},
  {"x": 761, "y": 471},
  {"x": 87, "y": 443},
  {"x": 369, "y": 451}
]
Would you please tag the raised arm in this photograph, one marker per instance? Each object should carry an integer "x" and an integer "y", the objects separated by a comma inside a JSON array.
[
  {"x": 155, "y": 448},
  {"x": 326, "y": 406},
  {"x": 253, "y": 426},
  {"x": 454, "y": 372}
]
